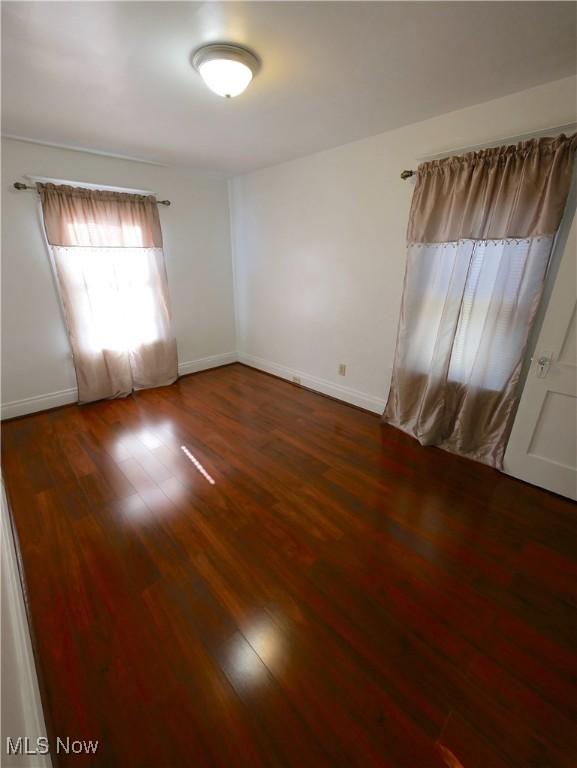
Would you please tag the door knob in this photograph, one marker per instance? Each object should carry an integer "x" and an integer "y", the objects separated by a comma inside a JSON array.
[{"x": 543, "y": 365}]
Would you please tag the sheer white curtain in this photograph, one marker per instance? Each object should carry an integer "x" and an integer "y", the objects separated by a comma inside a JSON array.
[
  {"x": 473, "y": 297},
  {"x": 111, "y": 275},
  {"x": 467, "y": 307}
]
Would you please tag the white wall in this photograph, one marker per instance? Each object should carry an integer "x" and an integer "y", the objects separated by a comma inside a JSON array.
[
  {"x": 36, "y": 361},
  {"x": 319, "y": 244}
]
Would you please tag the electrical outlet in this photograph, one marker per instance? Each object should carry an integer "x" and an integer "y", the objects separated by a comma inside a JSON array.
[
  {"x": 296, "y": 379},
  {"x": 342, "y": 369}
]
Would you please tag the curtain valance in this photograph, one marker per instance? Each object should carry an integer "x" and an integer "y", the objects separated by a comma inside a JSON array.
[
  {"x": 75, "y": 216},
  {"x": 516, "y": 191}
]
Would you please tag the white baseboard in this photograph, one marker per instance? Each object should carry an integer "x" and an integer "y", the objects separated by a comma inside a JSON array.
[
  {"x": 204, "y": 363},
  {"x": 347, "y": 394},
  {"x": 39, "y": 403},
  {"x": 67, "y": 396}
]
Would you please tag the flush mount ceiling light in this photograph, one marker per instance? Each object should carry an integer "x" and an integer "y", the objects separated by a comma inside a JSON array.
[{"x": 226, "y": 69}]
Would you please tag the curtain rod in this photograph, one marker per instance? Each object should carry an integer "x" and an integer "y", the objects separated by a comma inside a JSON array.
[
  {"x": 20, "y": 186},
  {"x": 566, "y": 127}
]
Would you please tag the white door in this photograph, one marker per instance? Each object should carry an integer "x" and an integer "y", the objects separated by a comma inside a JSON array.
[{"x": 543, "y": 445}]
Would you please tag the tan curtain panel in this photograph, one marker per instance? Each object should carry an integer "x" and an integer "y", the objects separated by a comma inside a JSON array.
[
  {"x": 109, "y": 265},
  {"x": 480, "y": 236},
  {"x": 75, "y": 216},
  {"x": 512, "y": 191}
]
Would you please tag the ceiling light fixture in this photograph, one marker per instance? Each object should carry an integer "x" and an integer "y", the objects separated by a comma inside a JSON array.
[{"x": 226, "y": 69}]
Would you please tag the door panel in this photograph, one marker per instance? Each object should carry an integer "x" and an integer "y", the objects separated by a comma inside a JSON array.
[{"x": 543, "y": 445}]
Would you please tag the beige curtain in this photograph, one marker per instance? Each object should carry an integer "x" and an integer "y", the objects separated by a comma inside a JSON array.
[
  {"x": 106, "y": 250},
  {"x": 480, "y": 234}
]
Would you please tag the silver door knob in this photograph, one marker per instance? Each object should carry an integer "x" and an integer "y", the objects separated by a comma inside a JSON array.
[{"x": 543, "y": 365}]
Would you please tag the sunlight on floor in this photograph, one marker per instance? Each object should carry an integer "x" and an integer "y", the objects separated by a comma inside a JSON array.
[{"x": 197, "y": 464}]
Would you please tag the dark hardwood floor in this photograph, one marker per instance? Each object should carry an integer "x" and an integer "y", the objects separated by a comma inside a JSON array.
[{"x": 303, "y": 587}]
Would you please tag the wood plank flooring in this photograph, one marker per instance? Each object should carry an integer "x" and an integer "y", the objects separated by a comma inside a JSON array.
[{"x": 303, "y": 586}]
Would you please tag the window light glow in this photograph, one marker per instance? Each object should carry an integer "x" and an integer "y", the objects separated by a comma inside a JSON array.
[
  {"x": 491, "y": 276},
  {"x": 94, "y": 234},
  {"x": 115, "y": 300}
]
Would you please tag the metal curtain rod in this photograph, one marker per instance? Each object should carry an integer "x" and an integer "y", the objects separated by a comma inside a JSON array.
[{"x": 19, "y": 185}]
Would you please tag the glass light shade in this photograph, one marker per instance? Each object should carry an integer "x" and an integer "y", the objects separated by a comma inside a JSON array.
[
  {"x": 225, "y": 77},
  {"x": 226, "y": 68}
]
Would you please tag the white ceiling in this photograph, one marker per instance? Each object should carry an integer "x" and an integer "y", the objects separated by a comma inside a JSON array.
[{"x": 116, "y": 76}]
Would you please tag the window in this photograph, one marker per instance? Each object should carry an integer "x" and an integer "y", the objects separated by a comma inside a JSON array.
[
  {"x": 490, "y": 280},
  {"x": 107, "y": 254}
]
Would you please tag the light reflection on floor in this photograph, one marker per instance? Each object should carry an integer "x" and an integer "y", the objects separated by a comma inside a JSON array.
[
  {"x": 197, "y": 464},
  {"x": 268, "y": 641},
  {"x": 244, "y": 665},
  {"x": 252, "y": 655},
  {"x": 149, "y": 439}
]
